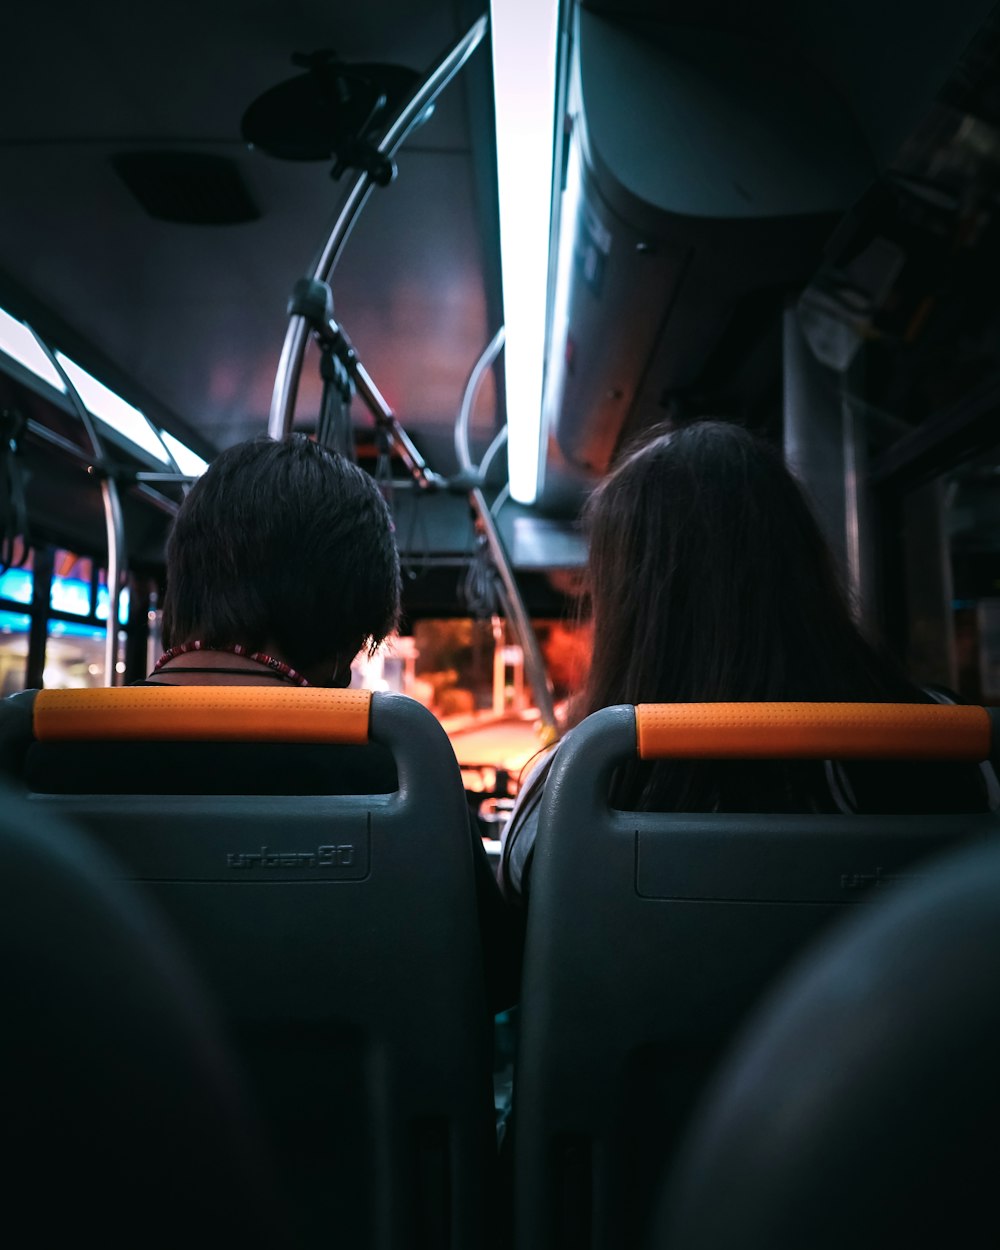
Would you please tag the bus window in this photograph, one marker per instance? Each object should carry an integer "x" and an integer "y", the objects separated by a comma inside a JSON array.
[
  {"x": 16, "y": 595},
  {"x": 470, "y": 674},
  {"x": 74, "y": 655},
  {"x": 70, "y": 637},
  {"x": 14, "y": 627}
]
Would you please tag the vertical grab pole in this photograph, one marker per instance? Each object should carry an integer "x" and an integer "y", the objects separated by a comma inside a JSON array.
[
  {"x": 286, "y": 382},
  {"x": 114, "y": 525},
  {"x": 510, "y": 595},
  {"x": 516, "y": 612},
  {"x": 114, "y": 522},
  {"x": 427, "y": 479}
]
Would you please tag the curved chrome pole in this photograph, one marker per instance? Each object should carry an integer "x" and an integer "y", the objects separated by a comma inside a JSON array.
[
  {"x": 286, "y": 382},
  {"x": 490, "y": 353},
  {"x": 491, "y": 453},
  {"x": 114, "y": 525},
  {"x": 420, "y": 471},
  {"x": 510, "y": 595},
  {"x": 82, "y": 411},
  {"x": 114, "y": 522}
]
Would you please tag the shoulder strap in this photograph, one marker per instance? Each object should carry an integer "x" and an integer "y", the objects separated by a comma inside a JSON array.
[{"x": 841, "y": 790}]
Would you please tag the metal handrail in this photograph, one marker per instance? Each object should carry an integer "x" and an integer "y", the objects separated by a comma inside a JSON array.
[
  {"x": 286, "y": 381},
  {"x": 114, "y": 521},
  {"x": 485, "y": 361},
  {"x": 516, "y": 612},
  {"x": 510, "y": 595},
  {"x": 300, "y": 326}
]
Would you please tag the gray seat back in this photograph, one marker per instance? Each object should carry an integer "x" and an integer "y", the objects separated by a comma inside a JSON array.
[
  {"x": 338, "y": 932},
  {"x": 861, "y": 1105},
  {"x": 125, "y": 1120},
  {"x": 650, "y": 935}
]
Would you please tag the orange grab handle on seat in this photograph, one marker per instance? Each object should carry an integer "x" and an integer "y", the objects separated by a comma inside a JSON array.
[
  {"x": 871, "y": 731},
  {"x": 202, "y": 714}
]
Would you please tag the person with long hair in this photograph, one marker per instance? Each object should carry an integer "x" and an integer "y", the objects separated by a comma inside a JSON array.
[{"x": 709, "y": 581}]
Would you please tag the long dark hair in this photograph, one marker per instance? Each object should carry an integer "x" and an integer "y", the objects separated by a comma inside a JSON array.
[{"x": 710, "y": 581}]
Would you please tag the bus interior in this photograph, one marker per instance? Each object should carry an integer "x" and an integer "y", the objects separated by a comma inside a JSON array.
[{"x": 484, "y": 252}]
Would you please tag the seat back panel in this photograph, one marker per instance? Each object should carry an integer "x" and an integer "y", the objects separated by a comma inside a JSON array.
[
  {"x": 782, "y": 858},
  {"x": 339, "y": 933},
  {"x": 650, "y": 936},
  {"x": 229, "y": 840}
]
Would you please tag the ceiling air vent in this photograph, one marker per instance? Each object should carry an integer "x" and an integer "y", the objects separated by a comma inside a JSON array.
[{"x": 190, "y": 187}]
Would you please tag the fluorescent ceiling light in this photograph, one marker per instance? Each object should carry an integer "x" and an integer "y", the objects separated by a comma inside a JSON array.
[
  {"x": 188, "y": 461},
  {"x": 113, "y": 410},
  {"x": 569, "y": 209},
  {"x": 19, "y": 342},
  {"x": 523, "y": 34}
]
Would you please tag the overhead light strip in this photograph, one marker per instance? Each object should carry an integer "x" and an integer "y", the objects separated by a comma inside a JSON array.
[
  {"x": 524, "y": 37},
  {"x": 19, "y": 342},
  {"x": 188, "y": 461},
  {"x": 569, "y": 209},
  {"x": 110, "y": 408}
]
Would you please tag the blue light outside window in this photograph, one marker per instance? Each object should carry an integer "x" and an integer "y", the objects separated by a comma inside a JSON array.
[
  {"x": 74, "y": 629},
  {"x": 16, "y": 584},
  {"x": 70, "y": 594},
  {"x": 14, "y": 622},
  {"x": 102, "y": 605}
]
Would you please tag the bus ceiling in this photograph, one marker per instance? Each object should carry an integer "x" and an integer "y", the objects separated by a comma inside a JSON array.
[{"x": 715, "y": 165}]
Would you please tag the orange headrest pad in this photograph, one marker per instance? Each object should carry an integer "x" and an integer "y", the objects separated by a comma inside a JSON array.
[
  {"x": 871, "y": 731},
  {"x": 202, "y": 714}
]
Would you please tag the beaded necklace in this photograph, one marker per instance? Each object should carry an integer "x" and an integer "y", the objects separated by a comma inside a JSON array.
[{"x": 278, "y": 667}]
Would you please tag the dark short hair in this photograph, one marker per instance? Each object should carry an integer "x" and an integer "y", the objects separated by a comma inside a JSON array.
[{"x": 286, "y": 542}]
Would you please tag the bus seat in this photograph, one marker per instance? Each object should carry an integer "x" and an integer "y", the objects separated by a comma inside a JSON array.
[
  {"x": 651, "y": 934},
  {"x": 125, "y": 1120},
  {"x": 861, "y": 1105},
  {"x": 338, "y": 930}
]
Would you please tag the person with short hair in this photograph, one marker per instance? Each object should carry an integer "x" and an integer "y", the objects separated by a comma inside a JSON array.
[{"x": 281, "y": 565}]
